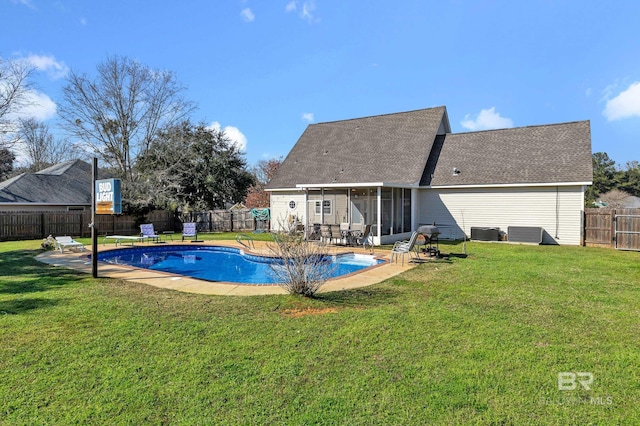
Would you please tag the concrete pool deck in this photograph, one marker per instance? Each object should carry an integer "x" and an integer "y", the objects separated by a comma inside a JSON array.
[{"x": 80, "y": 261}]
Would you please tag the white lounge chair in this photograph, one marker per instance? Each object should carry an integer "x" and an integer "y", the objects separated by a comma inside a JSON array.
[
  {"x": 404, "y": 247},
  {"x": 67, "y": 242}
]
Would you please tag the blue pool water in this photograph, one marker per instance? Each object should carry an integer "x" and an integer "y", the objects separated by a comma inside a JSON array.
[{"x": 216, "y": 263}]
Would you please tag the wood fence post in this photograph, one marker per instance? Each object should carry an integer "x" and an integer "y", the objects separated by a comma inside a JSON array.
[{"x": 613, "y": 228}]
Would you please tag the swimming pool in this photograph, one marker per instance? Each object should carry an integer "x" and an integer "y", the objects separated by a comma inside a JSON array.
[{"x": 218, "y": 263}]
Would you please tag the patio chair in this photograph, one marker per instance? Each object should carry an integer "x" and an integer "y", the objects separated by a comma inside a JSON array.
[
  {"x": 147, "y": 231},
  {"x": 404, "y": 247},
  {"x": 335, "y": 233},
  {"x": 325, "y": 233},
  {"x": 345, "y": 232},
  {"x": 67, "y": 242},
  {"x": 365, "y": 238},
  {"x": 189, "y": 229}
]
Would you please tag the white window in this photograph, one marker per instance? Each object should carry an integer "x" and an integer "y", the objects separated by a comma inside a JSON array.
[
  {"x": 292, "y": 205},
  {"x": 326, "y": 205}
]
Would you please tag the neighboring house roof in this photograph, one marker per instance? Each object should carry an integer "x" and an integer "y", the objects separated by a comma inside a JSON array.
[
  {"x": 554, "y": 153},
  {"x": 391, "y": 148},
  {"x": 67, "y": 183}
]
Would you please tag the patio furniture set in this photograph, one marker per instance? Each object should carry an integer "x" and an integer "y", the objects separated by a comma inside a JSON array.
[
  {"x": 147, "y": 233},
  {"x": 348, "y": 234}
]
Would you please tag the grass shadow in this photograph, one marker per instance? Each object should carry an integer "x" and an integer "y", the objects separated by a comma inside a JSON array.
[
  {"x": 33, "y": 275},
  {"x": 19, "y": 306}
]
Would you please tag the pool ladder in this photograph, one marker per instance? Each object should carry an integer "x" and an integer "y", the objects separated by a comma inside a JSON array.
[{"x": 249, "y": 241}]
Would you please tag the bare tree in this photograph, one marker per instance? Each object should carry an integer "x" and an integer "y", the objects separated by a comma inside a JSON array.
[
  {"x": 263, "y": 171},
  {"x": 14, "y": 90},
  {"x": 303, "y": 267},
  {"x": 614, "y": 198},
  {"x": 117, "y": 114},
  {"x": 40, "y": 147}
]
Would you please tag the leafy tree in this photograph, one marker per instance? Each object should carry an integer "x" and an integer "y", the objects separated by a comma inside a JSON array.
[
  {"x": 630, "y": 178},
  {"x": 605, "y": 176},
  {"x": 6, "y": 163},
  {"x": 192, "y": 167},
  {"x": 118, "y": 113},
  {"x": 14, "y": 91},
  {"x": 263, "y": 171}
]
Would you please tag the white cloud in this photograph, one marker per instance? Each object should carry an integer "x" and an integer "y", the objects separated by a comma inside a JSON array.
[
  {"x": 291, "y": 6},
  {"x": 487, "y": 119},
  {"x": 233, "y": 133},
  {"x": 27, "y": 3},
  {"x": 40, "y": 106},
  {"x": 49, "y": 64},
  {"x": 247, "y": 15},
  {"x": 308, "y": 7},
  {"x": 625, "y": 105},
  {"x": 589, "y": 91},
  {"x": 305, "y": 11},
  {"x": 307, "y": 116}
]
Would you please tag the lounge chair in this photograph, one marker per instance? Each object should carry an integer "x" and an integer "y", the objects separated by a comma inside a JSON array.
[
  {"x": 404, "y": 247},
  {"x": 189, "y": 229},
  {"x": 67, "y": 242},
  {"x": 147, "y": 231}
]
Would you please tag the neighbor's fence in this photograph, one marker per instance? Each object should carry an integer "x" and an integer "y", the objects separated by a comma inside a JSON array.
[
  {"x": 34, "y": 225},
  {"x": 615, "y": 228},
  {"x": 223, "y": 220}
]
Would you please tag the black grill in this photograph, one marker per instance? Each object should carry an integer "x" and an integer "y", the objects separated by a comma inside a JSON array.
[{"x": 430, "y": 233}]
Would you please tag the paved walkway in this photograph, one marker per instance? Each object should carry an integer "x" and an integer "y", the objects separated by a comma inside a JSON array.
[{"x": 80, "y": 261}]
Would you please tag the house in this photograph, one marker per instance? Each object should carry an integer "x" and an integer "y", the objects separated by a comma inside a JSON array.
[
  {"x": 62, "y": 187},
  {"x": 399, "y": 171}
]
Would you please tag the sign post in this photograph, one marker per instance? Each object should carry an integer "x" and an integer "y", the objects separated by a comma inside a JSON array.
[
  {"x": 106, "y": 199},
  {"x": 94, "y": 231}
]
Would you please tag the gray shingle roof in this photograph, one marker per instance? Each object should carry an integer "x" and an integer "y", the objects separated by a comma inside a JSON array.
[
  {"x": 551, "y": 153},
  {"x": 391, "y": 148},
  {"x": 66, "y": 183}
]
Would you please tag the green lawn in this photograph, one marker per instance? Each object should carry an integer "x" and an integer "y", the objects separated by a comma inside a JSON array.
[{"x": 478, "y": 340}]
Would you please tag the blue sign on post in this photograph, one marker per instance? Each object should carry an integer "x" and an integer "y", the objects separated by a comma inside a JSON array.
[{"x": 108, "y": 196}]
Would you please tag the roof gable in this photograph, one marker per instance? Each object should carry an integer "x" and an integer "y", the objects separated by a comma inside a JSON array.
[
  {"x": 391, "y": 148},
  {"x": 554, "y": 153}
]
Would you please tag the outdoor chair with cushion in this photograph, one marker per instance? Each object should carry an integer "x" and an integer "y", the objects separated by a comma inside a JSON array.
[
  {"x": 189, "y": 229},
  {"x": 365, "y": 237},
  {"x": 325, "y": 233},
  {"x": 67, "y": 242},
  {"x": 404, "y": 247},
  {"x": 147, "y": 231}
]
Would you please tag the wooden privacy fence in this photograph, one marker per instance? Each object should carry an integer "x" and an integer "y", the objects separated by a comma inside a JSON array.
[
  {"x": 223, "y": 220},
  {"x": 34, "y": 225},
  {"x": 615, "y": 228}
]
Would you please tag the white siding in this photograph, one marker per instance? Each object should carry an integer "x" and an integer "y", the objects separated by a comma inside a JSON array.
[
  {"x": 559, "y": 210},
  {"x": 281, "y": 213},
  {"x": 338, "y": 207}
]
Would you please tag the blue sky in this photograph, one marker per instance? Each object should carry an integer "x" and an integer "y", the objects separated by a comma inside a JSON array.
[{"x": 264, "y": 70}]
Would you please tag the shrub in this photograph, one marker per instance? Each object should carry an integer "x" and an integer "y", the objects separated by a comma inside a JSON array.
[{"x": 304, "y": 266}]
